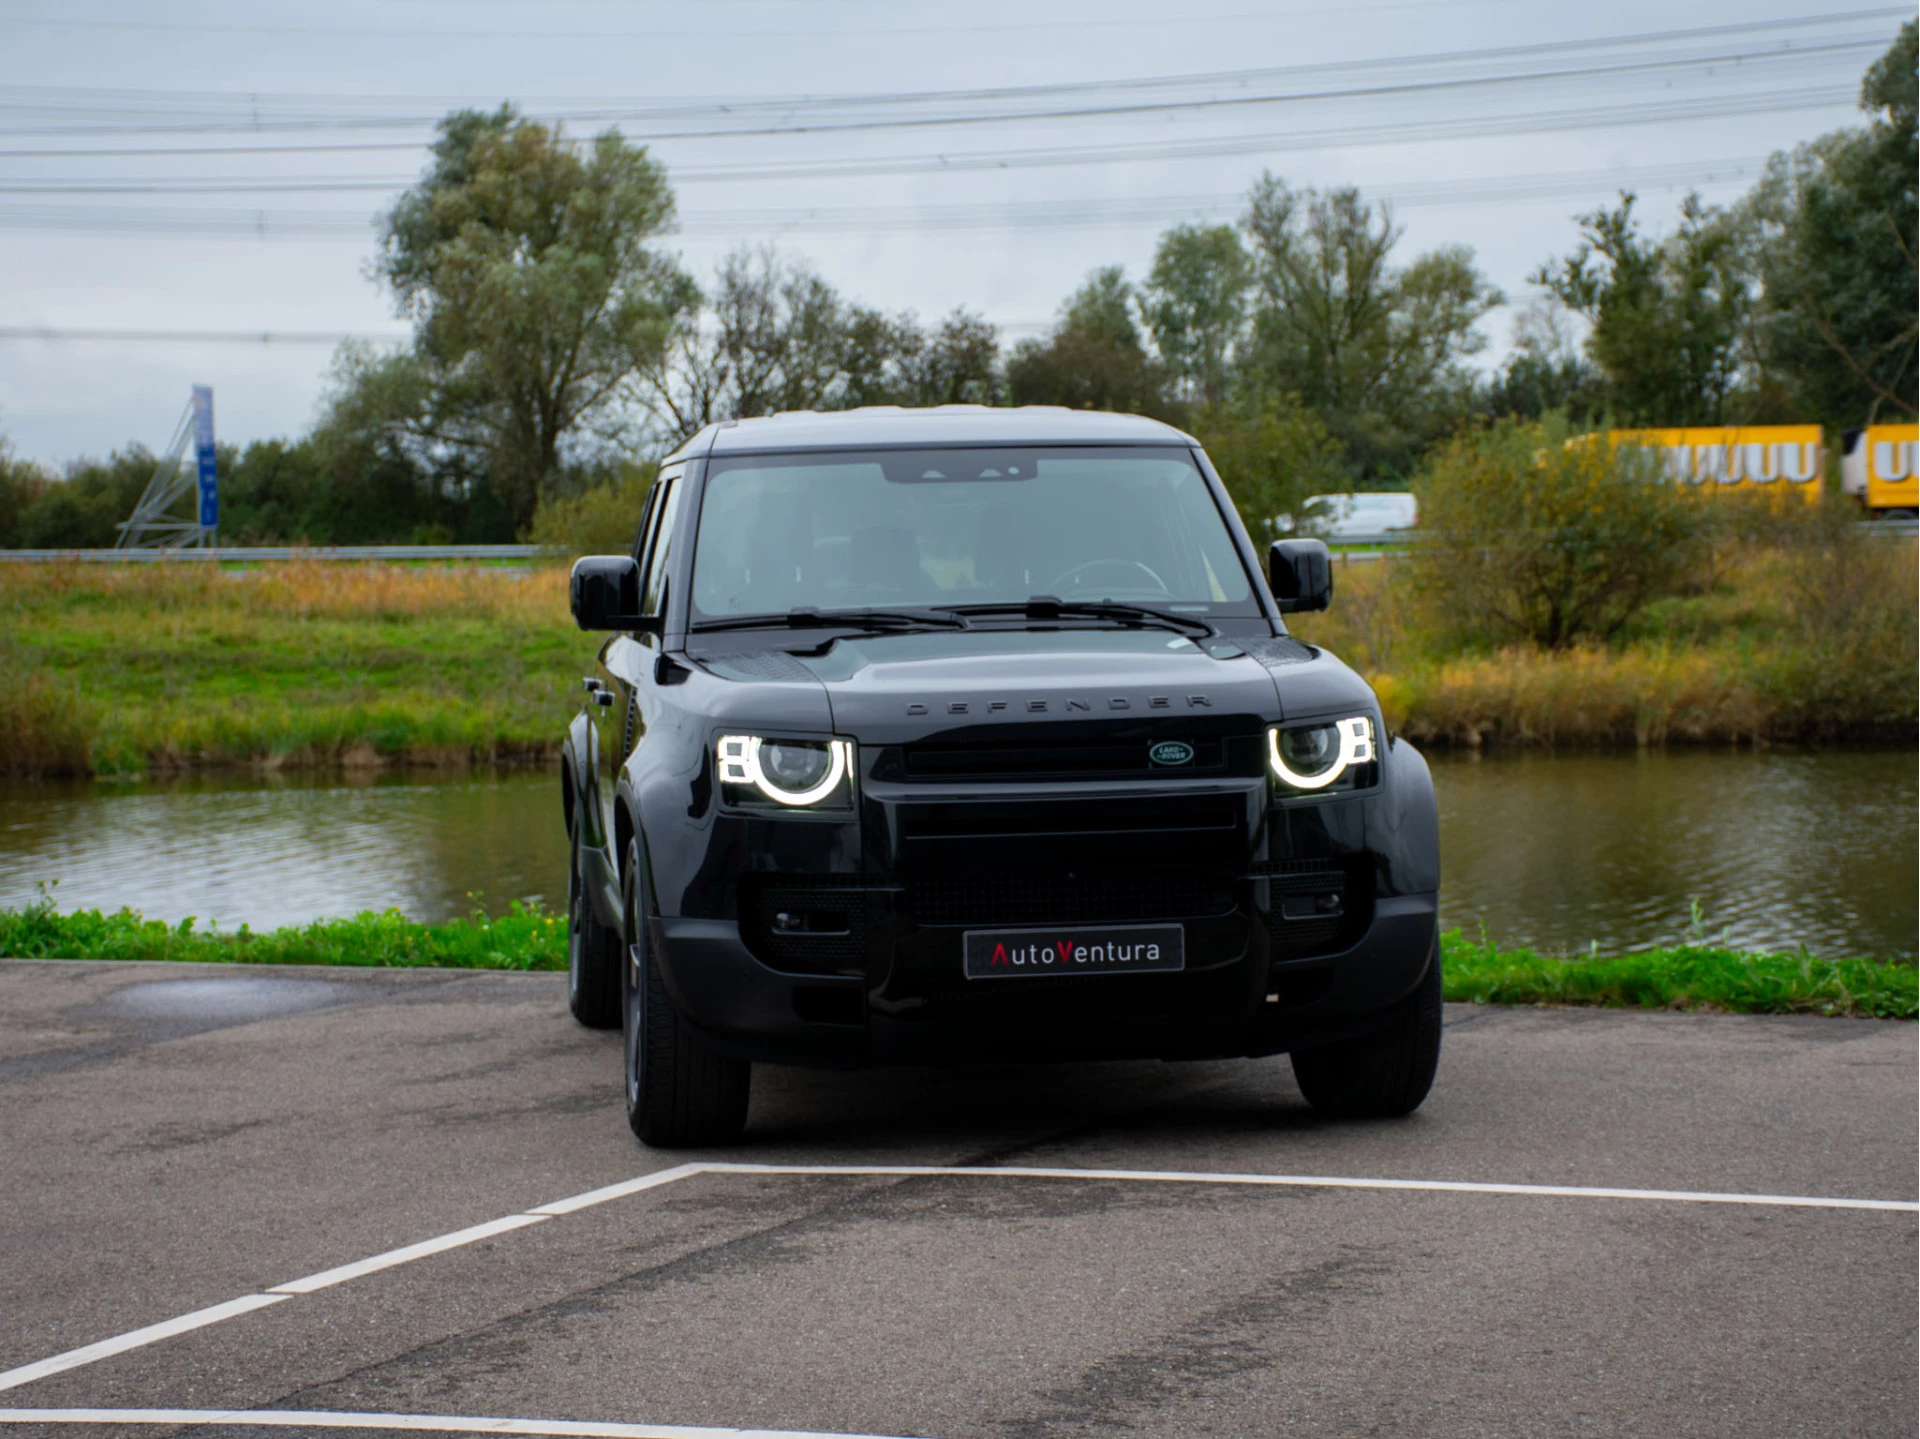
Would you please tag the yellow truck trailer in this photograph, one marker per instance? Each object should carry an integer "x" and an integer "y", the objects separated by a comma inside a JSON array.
[
  {"x": 1730, "y": 459},
  {"x": 1878, "y": 468}
]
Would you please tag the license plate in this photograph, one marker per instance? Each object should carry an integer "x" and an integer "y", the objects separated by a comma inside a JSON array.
[{"x": 1109, "y": 949}]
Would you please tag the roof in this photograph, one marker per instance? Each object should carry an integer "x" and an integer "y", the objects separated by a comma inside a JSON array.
[{"x": 883, "y": 426}]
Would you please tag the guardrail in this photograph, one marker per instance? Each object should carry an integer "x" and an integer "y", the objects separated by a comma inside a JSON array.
[
  {"x": 1890, "y": 528},
  {"x": 244, "y": 553}
]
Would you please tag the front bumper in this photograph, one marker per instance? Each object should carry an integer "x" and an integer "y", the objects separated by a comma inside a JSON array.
[{"x": 1249, "y": 1004}]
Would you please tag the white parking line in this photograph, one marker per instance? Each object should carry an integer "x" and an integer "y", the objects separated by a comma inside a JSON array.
[
  {"x": 1328, "y": 1181},
  {"x": 26, "y": 1374},
  {"x": 137, "y": 1338},
  {"x": 418, "y": 1423},
  {"x": 621, "y": 1190},
  {"x": 327, "y": 1278}
]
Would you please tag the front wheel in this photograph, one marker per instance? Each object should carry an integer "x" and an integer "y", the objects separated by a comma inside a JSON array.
[
  {"x": 1383, "y": 1075},
  {"x": 680, "y": 1093}
]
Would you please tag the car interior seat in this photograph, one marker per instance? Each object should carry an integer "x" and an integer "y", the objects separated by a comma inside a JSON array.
[
  {"x": 779, "y": 554},
  {"x": 885, "y": 562}
]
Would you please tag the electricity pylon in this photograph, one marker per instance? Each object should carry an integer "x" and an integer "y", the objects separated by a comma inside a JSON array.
[{"x": 153, "y": 525}]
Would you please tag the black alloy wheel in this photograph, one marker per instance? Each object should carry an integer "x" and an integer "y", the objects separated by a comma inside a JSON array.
[
  {"x": 1382, "y": 1075},
  {"x": 593, "y": 953},
  {"x": 680, "y": 1093}
]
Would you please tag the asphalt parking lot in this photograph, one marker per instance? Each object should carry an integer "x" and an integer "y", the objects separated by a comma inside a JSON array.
[{"x": 181, "y": 1139}]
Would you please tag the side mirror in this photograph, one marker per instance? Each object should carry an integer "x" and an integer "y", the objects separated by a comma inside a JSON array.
[
  {"x": 1301, "y": 574},
  {"x": 605, "y": 592}
]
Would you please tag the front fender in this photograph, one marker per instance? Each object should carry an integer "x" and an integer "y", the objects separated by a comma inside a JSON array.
[
  {"x": 576, "y": 775},
  {"x": 1404, "y": 828},
  {"x": 599, "y": 866}
]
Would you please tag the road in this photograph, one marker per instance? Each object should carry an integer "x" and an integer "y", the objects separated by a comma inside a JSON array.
[{"x": 175, "y": 1138}]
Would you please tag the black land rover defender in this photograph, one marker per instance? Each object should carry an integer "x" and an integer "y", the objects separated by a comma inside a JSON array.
[{"x": 927, "y": 736}]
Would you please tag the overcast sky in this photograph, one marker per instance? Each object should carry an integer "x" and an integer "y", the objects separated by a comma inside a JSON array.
[{"x": 996, "y": 202}]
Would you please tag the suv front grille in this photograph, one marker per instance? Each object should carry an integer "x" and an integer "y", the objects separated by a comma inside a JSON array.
[
  {"x": 1091, "y": 759},
  {"x": 991, "y": 898}
]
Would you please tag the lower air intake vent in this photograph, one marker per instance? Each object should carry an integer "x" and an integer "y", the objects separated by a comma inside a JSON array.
[
  {"x": 1317, "y": 906},
  {"x": 806, "y": 924}
]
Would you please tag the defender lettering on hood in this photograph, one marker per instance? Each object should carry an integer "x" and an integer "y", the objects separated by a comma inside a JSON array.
[{"x": 1041, "y": 706}]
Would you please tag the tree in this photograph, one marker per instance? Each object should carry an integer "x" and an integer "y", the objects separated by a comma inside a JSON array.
[
  {"x": 1545, "y": 371},
  {"x": 524, "y": 265},
  {"x": 1094, "y": 358},
  {"x": 1376, "y": 351},
  {"x": 1103, "y": 308},
  {"x": 1835, "y": 231},
  {"x": 958, "y": 364},
  {"x": 1551, "y": 541},
  {"x": 22, "y": 484},
  {"x": 767, "y": 337},
  {"x": 1272, "y": 453},
  {"x": 772, "y": 335},
  {"x": 1195, "y": 303},
  {"x": 1667, "y": 317}
]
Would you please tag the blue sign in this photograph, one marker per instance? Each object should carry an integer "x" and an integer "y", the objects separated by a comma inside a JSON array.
[{"x": 203, "y": 448}]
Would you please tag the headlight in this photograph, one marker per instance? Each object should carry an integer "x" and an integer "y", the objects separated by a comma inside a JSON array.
[
  {"x": 794, "y": 772},
  {"x": 1314, "y": 757}
]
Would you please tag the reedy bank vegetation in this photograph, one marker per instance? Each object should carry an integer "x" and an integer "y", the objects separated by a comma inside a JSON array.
[
  {"x": 114, "y": 670},
  {"x": 1565, "y": 594},
  {"x": 1780, "y": 627}
]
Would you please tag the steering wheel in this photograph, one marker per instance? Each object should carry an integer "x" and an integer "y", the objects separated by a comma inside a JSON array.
[{"x": 1058, "y": 584}]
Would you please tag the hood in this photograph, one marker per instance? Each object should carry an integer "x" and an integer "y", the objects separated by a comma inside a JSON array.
[
  {"x": 895, "y": 689},
  {"x": 900, "y": 689}
]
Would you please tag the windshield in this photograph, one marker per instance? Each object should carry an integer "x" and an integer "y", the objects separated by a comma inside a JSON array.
[{"x": 963, "y": 527}]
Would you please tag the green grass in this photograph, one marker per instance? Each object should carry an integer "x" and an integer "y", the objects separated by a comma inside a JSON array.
[
  {"x": 527, "y": 937},
  {"x": 164, "y": 667},
  {"x": 1694, "y": 976},
  {"x": 1685, "y": 977},
  {"x": 119, "y": 670}
]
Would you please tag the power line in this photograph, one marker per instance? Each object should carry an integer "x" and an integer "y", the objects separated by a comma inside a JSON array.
[
  {"x": 1019, "y": 215},
  {"x": 738, "y": 33},
  {"x": 1080, "y": 214},
  {"x": 1572, "y": 73},
  {"x": 219, "y": 337},
  {"x": 56, "y": 335},
  {"x": 1268, "y": 142},
  {"x": 1756, "y": 102},
  {"x": 733, "y": 35},
  {"x": 248, "y": 102}
]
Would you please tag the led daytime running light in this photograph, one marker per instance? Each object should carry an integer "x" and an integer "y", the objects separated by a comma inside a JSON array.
[
  {"x": 1356, "y": 747},
  {"x": 739, "y": 757}
]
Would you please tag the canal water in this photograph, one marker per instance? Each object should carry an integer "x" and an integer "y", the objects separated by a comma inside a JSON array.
[{"x": 1776, "y": 849}]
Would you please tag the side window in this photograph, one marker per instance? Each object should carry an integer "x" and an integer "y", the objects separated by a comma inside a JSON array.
[
  {"x": 644, "y": 535},
  {"x": 650, "y": 527},
  {"x": 654, "y": 576}
]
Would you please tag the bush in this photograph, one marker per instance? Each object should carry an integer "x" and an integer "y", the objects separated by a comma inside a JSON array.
[
  {"x": 1527, "y": 536},
  {"x": 22, "y": 483},
  {"x": 601, "y": 520},
  {"x": 1272, "y": 453}
]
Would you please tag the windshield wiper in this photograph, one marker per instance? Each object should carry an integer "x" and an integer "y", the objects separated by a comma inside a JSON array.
[
  {"x": 1046, "y": 607},
  {"x": 808, "y": 618}
]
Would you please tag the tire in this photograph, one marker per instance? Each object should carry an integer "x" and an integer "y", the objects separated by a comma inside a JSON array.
[
  {"x": 593, "y": 955},
  {"x": 680, "y": 1093},
  {"x": 1383, "y": 1075}
]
